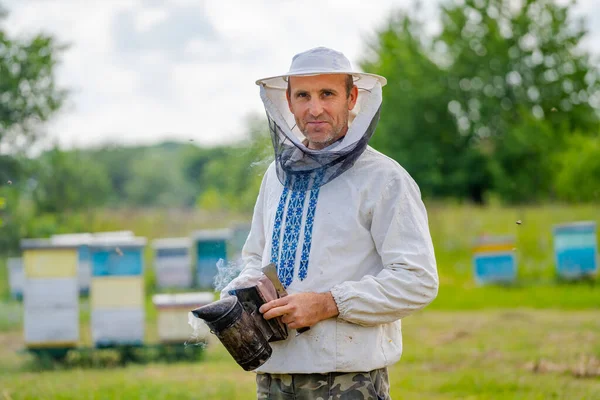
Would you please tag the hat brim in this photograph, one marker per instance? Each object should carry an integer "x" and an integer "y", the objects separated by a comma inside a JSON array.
[{"x": 280, "y": 81}]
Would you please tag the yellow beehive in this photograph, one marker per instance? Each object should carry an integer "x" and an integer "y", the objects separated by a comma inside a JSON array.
[
  {"x": 117, "y": 292},
  {"x": 494, "y": 247},
  {"x": 494, "y": 259},
  {"x": 51, "y": 306},
  {"x": 50, "y": 263}
]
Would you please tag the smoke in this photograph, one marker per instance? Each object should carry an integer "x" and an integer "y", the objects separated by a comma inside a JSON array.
[
  {"x": 227, "y": 273},
  {"x": 200, "y": 331},
  {"x": 262, "y": 163}
]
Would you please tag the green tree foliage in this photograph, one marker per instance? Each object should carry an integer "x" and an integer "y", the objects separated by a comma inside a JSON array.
[
  {"x": 68, "y": 181},
  {"x": 117, "y": 162},
  {"x": 11, "y": 219},
  {"x": 157, "y": 179},
  {"x": 28, "y": 91},
  {"x": 415, "y": 127},
  {"x": 29, "y": 96},
  {"x": 483, "y": 105},
  {"x": 578, "y": 177},
  {"x": 232, "y": 180},
  {"x": 146, "y": 175}
]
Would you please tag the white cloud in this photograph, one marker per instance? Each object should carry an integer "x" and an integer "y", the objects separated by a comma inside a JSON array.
[
  {"x": 148, "y": 70},
  {"x": 148, "y": 17}
]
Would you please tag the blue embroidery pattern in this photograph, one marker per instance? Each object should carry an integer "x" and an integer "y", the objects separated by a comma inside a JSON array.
[
  {"x": 308, "y": 226},
  {"x": 293, "y": 224},
  {"x": 277, "y": 226}
]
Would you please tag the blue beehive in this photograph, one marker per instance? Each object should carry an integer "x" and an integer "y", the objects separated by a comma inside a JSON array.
[
  {"x": 494, "y": 260},
  {"x": 120, "y": 260},
  {"x": 210, "y": 247},
  {"x": 117, "y": 291},
  {"x": 576, "y": 249}
]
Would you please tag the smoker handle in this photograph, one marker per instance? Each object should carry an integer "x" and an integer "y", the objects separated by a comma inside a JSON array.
[{"x": 302, "y": 330}]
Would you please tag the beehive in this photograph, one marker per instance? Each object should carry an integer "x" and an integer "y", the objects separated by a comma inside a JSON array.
[
  {"x": 117, "y": 290},
  {"x": 172, "y": 262},
  {"x": 82, "y": 241},
  {"x": 172, "y": 316},
  {"x": 576, "y": 249},
  {"x": 51, "y": 301},
  {"x": 16, "y": 277},
  {"x": 494, "y": 259},
  {"x": 239, "y": 235},
  {"x": 210, "y": 247}
]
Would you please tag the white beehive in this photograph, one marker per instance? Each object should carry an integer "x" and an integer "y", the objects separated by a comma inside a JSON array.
[
  {"x": 51, "y": 302},
  {"x": 172, "y": 316},
  {"x": 54, "y": 293},
  {"x": 51, "y": 327},
  {"x": 173, "y": 262},
  {"x": 122, "y": 326},
  {"x": 16, "y": 276}
]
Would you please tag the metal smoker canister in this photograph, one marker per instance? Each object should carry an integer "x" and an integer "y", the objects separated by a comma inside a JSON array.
[{"x": 237, "y": 330}]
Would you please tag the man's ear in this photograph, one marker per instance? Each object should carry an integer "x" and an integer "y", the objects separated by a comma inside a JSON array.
[{"x": 353, "y": 97}]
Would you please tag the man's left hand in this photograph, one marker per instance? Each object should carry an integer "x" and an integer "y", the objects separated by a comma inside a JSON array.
[{"x": 299, "y": 310}]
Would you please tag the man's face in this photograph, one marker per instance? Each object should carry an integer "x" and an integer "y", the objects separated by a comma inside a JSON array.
[{"x": 321, "y": 106}]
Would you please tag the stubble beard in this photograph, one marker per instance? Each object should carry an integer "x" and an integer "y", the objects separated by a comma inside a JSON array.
[{"x": 332, "y": 137}]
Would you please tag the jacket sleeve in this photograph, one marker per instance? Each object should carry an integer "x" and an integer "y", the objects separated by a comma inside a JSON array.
[
  {"x": 409, "y": 279},
  {"x": 253, "y": 248}
]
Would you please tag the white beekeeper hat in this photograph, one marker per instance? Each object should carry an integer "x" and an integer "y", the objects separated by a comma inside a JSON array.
[
  {"x": 319, "y": 61},
  {"x": 293, "y": 158}
]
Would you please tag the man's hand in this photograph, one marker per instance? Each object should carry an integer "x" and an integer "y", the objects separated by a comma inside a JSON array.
[{"x": 301, "y": 309}]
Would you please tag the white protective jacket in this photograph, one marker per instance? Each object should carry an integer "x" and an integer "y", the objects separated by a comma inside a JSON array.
[{"x": 371, "y": 248}]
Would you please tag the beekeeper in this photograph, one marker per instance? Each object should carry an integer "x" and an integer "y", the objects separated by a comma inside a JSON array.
[{"x": 347, "y": 229}]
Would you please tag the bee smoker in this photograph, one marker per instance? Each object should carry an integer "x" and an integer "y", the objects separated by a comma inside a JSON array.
[{"x": 241, "y": 328}]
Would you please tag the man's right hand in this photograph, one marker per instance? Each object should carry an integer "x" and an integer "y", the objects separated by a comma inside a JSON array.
[{"x": 301, "y": 310}]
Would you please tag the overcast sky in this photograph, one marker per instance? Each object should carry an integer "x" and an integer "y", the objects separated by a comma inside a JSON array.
[{"x": 142, "y": 71}]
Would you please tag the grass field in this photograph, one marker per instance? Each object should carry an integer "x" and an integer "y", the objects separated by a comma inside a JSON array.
[
  {"x": 537, "y": 339},
  {"x": 493, "y": 354}
]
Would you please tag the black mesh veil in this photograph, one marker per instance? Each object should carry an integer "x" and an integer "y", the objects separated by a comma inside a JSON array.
[
  {"x": 301, "y": 168},
  {"x": 317, "y": 168}
]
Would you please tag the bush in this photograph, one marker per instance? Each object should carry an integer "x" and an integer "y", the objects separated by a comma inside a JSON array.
[{"x": 578, "y": 170}]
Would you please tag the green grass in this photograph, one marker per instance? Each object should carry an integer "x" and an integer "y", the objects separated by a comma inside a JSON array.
[
  {"x": 447, "y": 355},
  {"x": 453, "y": 228},
  {"x": 575, "y": 296},
  {"x": 470, "y": 343},
  {"x": 11, "y": 315}
]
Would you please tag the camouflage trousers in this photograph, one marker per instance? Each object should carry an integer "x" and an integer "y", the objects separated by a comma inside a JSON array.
[{"x": 373, "y": 385}]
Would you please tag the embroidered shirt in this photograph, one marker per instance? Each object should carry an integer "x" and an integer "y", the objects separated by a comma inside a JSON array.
[{"x": 365, "y": 238}]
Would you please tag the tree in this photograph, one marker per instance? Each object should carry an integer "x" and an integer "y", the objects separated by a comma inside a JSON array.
[
  {"x": 416, "y": 128},
  {"x": 29, "y": 96},
  {"x": 28, "y": 91},
  {"x": 68, "y": 181},
  {"x": 117, "y": 162},
  {"x": 234, "y": 176},
  {"x": 512, "y": 83},
  {"x": 578, "y": 172},
  {"x": 157, "y": 179}
]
